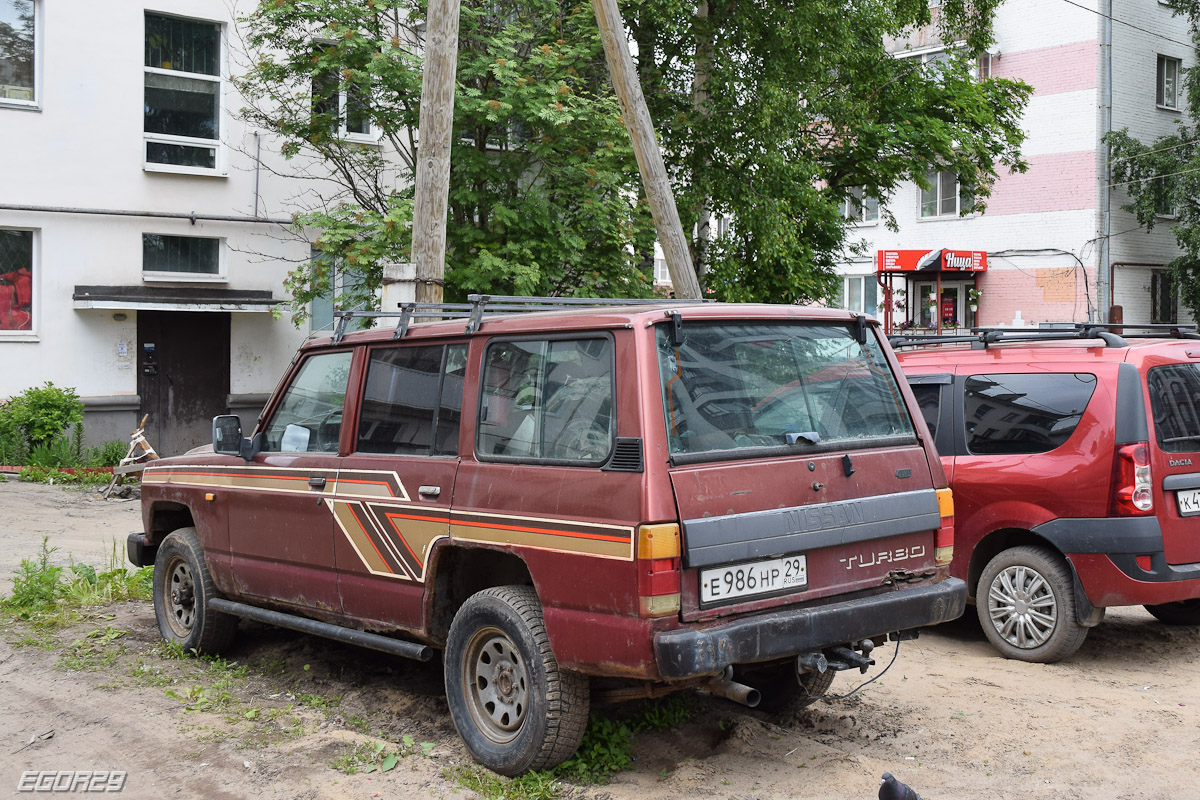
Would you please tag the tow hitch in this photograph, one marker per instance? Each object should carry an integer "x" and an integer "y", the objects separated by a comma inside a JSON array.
[{"x": 838, "y": 658}]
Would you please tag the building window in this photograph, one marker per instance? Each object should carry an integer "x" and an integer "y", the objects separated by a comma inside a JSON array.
[
  {"x": 183, "y": 95},
  {"x": 180, "y": 257},
  {"x": 945, "y": 196},
  {"x": 1167, "y": 91},
  {"x": 16, "y": 280},
  {"x": 341, "y": 285},
  {"x": 18, "y": 53},
  {"x": 859, "y": 293},
  {"x": 1164, "y": 201},
  {"x": 340, "y": 107},
  {"x": 1164, "y": 308},
  {"x": 859, "y": 207}
]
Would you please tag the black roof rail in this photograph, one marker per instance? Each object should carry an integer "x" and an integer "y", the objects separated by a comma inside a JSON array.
[
  {"x": 478, "y": 305},
  {"x": 983, "y": 337}
]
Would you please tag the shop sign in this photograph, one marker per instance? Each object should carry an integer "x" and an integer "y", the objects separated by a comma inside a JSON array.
[{"x": 914, "y": 260}]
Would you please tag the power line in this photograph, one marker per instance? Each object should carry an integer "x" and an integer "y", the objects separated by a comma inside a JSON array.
[
  {"x": 1127, "y": 24},
  {"x": 1159, "y": 150},
  {"x": 1154, "y": 177}
]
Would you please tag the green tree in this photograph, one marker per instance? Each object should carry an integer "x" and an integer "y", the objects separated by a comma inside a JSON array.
[
  {"x": 772, "y": 112},
  {"x": 543, "y": 192},
  {"x": 1163, "y": 176}
]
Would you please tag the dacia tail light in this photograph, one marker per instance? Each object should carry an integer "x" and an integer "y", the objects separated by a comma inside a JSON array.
[
  {"x": 1133, "y": 493},
  {"x": 659, "y": 565},
  {"x": 944, "y": 543}
]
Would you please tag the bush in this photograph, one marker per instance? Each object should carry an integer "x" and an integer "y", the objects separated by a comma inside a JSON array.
[
  {"x": 108, "y": 454},
  {"x": 13, "y": 448},
  {"x": 54, "y": 454},
  {"x": 44, "y": 413}
]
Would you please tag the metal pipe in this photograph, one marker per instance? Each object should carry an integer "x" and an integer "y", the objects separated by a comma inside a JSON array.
[
  {"x": 112, "y": 212},
  {"x": 1105, "y": 296},
  {"x": 725, "y": 686},
  {"x": 257, "y": 168},
  {"x": 372, "y": 641}
]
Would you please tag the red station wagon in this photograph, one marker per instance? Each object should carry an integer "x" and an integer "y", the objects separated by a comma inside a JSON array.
[
  {"x": 1075, "y": 462},
  {"x": 575, "y": 506}
]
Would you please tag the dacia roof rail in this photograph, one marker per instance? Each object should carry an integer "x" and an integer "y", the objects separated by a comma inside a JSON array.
[{"x": 480, "y": 305}]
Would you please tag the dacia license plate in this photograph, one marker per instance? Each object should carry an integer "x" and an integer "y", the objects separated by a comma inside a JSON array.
[
  {"x": 755, "y": 577},
  {"x": 1189, "y": 502}
]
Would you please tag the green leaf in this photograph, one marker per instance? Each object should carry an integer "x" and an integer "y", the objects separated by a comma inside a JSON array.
[{"x": 389, "y": 763}]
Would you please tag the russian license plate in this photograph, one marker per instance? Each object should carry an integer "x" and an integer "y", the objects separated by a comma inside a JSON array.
[
  {"x": 1189, "y": 502},
  {"x": 756, "y": 577}
]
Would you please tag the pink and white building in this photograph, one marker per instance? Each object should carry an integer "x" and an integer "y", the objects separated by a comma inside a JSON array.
[{"x": 1053, "y": 244}]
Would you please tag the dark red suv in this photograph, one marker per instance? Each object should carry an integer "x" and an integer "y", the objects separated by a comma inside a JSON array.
[{"x": 1074, "y": 457}]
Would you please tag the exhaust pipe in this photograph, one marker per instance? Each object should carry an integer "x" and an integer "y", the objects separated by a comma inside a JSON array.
[{"x": 725, "y": 686}]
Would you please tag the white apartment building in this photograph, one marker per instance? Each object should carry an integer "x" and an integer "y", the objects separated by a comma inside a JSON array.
[
  {"x": 143, "y": 242},
  {"x": 1053, "y": 244}
]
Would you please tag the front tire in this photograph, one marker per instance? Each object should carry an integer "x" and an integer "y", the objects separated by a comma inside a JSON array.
[
  {"x": 1026, "y": 605},
  {"x": 513, "y": 707},
  {"x": 1185, "y": 612},
  {"x": 183, "y": 589}
]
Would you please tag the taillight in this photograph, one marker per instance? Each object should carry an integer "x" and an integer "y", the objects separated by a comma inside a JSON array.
[
  {"x": 1133, "y": 493},
  {"x": 659, "y": 563},
  {"x": 944, "y": 543}
]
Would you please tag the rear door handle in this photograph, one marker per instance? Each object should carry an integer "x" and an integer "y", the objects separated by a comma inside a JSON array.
[
  {"x": 316, "y": 483},
  {"x": 430, "y": 491}
]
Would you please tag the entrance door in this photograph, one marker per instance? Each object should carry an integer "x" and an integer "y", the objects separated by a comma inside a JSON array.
[{"x": 183, "y": 376}]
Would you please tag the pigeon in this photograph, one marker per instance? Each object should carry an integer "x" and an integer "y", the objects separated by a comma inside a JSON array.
[{"x": 892, "y": 789}]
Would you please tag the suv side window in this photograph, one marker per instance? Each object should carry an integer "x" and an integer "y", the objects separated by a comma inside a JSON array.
[
  {"x": 547, "y": 400},
  {"x": 929, "y": 398},
  {"x": 412, "y": 400},
  {"x": 309, "y": 416},
  {"x": 1024, "y": 413}
]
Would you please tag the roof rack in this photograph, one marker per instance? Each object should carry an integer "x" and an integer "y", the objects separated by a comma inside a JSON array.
[
  {"x": 983, "y": 337},
  {"x": 480, "y": 305}
]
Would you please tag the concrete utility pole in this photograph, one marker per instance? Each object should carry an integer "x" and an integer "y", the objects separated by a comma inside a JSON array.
[
  {"x": 645, "y": 147},
  {"x": 433, "y": 149}
]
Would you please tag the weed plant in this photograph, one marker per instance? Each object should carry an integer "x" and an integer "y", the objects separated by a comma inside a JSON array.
[{"x": 47, "y": 594}]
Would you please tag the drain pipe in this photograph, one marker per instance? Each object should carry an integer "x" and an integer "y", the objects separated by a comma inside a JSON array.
[{"x": 1104, "y": 279}]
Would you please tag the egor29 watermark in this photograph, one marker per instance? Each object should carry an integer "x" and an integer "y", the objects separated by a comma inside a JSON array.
[{"x": 71, "y": 780}]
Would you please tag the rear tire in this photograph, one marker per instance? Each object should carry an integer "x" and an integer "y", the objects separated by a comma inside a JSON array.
[
  {"x": 183, "y": 589},
  {"x": 1185, "y": 612},
  {"x": 513, "y": 707},
  {"x": 781, "y": 690},
  {"x": 1026, "y": 605}
]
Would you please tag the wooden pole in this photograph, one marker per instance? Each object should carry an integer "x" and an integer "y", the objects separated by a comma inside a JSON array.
[
  {"x": 645, "y": 146},
  {"x": 433, "y": 149}
]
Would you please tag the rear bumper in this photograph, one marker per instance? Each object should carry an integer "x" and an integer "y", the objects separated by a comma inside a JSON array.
[
  {"x": 688, "y": 652},
  {"x": 1118, "y": 580}
]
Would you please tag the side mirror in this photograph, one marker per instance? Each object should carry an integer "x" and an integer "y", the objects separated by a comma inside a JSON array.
[
  {"x": 227, "y": 435},
  {"x": 228, "y": 439}
]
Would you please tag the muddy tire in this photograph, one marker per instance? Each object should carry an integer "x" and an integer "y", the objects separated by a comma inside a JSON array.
[
  {"x": 1026, "y": 605},
  {"x": 513, "y": 707},
  {"x": 781, "y": 690},
  {"x": 1185, "y": 612},
  {"x": 183, "y": 589}
]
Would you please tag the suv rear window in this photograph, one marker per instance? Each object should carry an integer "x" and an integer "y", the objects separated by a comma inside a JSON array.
[
  {"x": 1175, "y": 401},
  {"x": 736, "y": 387},
  {"x": 1015, "y": 413}
]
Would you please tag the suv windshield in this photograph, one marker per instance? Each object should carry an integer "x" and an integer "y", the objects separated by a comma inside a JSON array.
[
  {"x": 1175, "y": 401},
  {"x": 734, "y": 387}
]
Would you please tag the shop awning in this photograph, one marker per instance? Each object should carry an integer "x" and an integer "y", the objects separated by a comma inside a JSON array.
[
  {"x": 161, "y": 298},
  {"x": 931, "y": 261}
]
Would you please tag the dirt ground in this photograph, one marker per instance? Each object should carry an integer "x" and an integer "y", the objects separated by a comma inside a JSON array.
[{"x": 952, "y": 719}]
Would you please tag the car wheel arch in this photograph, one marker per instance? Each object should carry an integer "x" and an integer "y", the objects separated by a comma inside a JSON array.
[{"x": 456, "y": 573}]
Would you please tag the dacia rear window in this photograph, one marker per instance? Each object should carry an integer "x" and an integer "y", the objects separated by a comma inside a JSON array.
[
  {"x": 1175, "y": 401},
  {"x": 735, "y": 390}
]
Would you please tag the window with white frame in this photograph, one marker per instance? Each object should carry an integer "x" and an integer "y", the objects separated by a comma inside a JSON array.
[
  {"x": 1164, "y": 202},
  {"x": 945, "y": 196},
  {"x": 859, "y": 207},
  {"x": 1164, "y": 308},
  {"x": 338, "y": 106},
  {"x": 1167, "y": 84},
  {"x": 18, "y": 53},
  {"x": 859, "y": 293},
  {"x": 180, "y": 258},
  {"x": 340, "y": 282},
  {"x": 16, "y": 280},
  {"x": 182, "y": 95}
]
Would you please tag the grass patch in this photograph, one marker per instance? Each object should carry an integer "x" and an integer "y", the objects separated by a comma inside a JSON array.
[
  {"x": 368, "y": 757},
  {"x": 52, "y": 596}
]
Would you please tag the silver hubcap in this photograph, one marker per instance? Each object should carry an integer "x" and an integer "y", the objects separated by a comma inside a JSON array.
[
  {"x": 181, "y": 597},
  {"x": 1022, "y": 607},
  {"x": 496, "y": 681}
]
